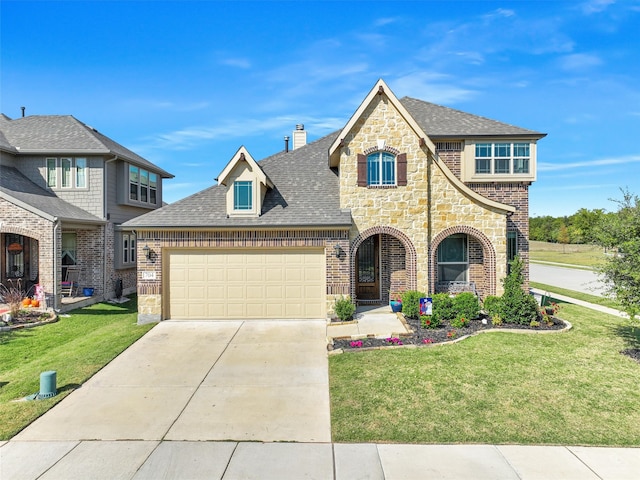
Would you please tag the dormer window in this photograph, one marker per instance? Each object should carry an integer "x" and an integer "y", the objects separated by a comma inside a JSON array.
[{"x": 242, "y": 195}]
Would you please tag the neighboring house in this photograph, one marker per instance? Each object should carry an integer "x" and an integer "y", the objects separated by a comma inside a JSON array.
[
  {"x": 65, "y": 190},
  {"x": 408, "y": 195}
]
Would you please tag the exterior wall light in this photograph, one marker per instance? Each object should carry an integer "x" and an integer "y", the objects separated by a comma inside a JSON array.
[
  {"x": 147, "y": 252},
  {"x": 337, "y": 250}
]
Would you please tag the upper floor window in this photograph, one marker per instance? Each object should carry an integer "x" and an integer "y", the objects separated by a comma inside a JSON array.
[
  {"x": 143, "y": 185},
  {"x": 381, "y": 168},
  {"x": 242, "y": 195},
  {"x": 67, "y": 172},
  {"x": 502, "y": 158}
]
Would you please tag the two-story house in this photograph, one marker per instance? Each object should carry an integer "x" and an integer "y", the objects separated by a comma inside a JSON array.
[
  {"x": 408, "y": 195},
  {"x": 65, "y": 190}
]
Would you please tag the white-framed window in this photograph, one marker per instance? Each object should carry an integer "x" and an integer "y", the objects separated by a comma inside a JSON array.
[
  {"x": 243, "y": 195},
  {"x": 128, "y": 249},
  {"x": 143, "y": 185},
  {"x": 381, "y": 168},
  {"x": 67, "y": 172},
  {"x": 453, "y": 259},
  {"x": 502, "y": 158}
]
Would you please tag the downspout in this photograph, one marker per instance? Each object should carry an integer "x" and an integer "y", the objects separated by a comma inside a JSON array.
[
  {"x": 56, "y": 227},
  {"x": 106, "y": 226}
]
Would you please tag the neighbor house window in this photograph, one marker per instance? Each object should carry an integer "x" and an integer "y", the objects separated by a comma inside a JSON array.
[
  {"x": 381, "y": 169},
  {"x": 143, "y": 185},
  {"x": 453, "y": 259},
  {"x": 128, "y": 248},
  {"x": 242, "y": 195},
  {"x": 81, "y": 172},
  {"x": 67, "y": 172},
  {"x": 502, "y": 158},
  {"x": 52, "y": 172}
]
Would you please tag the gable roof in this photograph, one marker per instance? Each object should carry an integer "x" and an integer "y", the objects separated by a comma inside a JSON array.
[
  {"x": 64, "y": 134},
  {"x": 305, "y": 194},
  {"x": 19, "y": 190},
  {"x": 243, "y": 155},
  {"x": 380, "y": 88}
]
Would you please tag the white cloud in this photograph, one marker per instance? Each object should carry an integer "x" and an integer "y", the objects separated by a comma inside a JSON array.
[
  {"x": 596, "y": 6},
  {"x": 433, "y": 87},
  {"x": 552, "y": 167},
  {"x": 236, "y": 62},
  {"x": 176, "y": 106},
  {"x": 579, "y": 61},
  {"x": 381, "y": 22}
]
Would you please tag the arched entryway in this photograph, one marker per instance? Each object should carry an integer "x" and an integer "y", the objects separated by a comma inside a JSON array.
[
  {"x": 462, "y": 257},
  {"x": 383, "y": 262}
]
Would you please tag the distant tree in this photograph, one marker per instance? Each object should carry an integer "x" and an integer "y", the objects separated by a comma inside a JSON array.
[
  {"x": 620, "y": 231},
  {"x": 585, "y": 224},
  {"x": 563, "y": 236}
]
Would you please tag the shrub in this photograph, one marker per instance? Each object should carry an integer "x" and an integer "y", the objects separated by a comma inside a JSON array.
[
  {"x": 516, "y": 305},
  {"x": 12, "y": 296},
  {"x": 429, "y": 321},
  {"x": 491, "y": 305},
  {"x": 344, "y": 308},
  {"x": 443, "y": 308},
  {"x": 411, "y": 303},
  {"x": 466, "y": 305},
  {"x": 459, "y": 322},
  {"x": 496, "y": 320}
]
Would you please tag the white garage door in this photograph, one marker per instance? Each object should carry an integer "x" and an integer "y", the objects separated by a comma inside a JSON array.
[{"x": 244, "y": 284}]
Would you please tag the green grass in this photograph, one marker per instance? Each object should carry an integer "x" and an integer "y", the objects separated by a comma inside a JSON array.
[
  {"x": 75, "y": 347},
  {"x": 572, "y": 388},
  {"x": 583, "y": 255},
  {"x": 605, "y": 302}
]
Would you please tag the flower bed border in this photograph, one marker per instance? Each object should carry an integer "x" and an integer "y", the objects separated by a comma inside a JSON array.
[{"x": 529, "y": 331}]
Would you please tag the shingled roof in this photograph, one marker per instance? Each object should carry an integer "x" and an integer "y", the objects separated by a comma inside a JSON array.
[
  {"x": 64, "y": 134},
  {"x": 18, "y": 189},
  {"x": 306, "y": 190},
  {"x": 441, "y": 122}
]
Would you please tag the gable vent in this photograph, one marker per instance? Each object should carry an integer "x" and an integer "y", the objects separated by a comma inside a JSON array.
[{"x": 449, "y": 146}]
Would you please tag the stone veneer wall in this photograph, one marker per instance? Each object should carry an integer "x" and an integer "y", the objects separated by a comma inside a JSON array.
[
  {"x": 150, "y": 294},
  {"x": 428, "y": 205}
]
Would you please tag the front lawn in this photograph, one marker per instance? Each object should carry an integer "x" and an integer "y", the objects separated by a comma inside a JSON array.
[
  {"x": 76, "y": 347},
  {"x": 571, "y": 388}
]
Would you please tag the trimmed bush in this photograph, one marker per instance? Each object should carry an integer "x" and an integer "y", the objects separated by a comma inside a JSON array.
[
  {"x": 411, "y": 303},
  {"x": 491, "y": 305},
  {"x": 443, "y": 308},
  {"x": 516, "y": 305},
  {"x": 344, "y": 308},
  {"x": 466, "y": 305},
  {"x": 429, "y": 321}
]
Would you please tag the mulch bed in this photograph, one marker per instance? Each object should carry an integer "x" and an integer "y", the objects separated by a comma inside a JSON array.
[
  {"x": 28, "y": 318},
  {"x": 430, "y": 336}
]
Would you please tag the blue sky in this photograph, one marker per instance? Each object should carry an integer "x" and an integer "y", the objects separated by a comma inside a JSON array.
[{"x": 186, "y": 83}]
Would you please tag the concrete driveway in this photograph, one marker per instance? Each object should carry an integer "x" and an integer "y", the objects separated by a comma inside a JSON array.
[{"x": 244, "y": 381}]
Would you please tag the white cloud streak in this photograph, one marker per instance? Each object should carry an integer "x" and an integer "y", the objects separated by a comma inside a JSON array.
[{"x": 554, "y": 167}]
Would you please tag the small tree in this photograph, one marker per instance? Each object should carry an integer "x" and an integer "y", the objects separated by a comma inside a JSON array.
[
  {"x": 516, "y": 305},
  {"x": 563, "y": 237},
  {"x": 621, "y": 272}
]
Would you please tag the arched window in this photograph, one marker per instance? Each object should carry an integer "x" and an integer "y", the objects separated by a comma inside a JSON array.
[
  {"x": 381, "y": 168},
  {"x": 453, "y": 259}
]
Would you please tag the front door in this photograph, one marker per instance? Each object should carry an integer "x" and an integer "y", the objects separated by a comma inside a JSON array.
[{"x": 368, "y": 269}]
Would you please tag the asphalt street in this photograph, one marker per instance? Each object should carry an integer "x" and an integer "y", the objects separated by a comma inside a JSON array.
[{"x": 578, "y": 280}]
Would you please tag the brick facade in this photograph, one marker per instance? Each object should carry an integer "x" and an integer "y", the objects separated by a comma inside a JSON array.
[{"x": 150, "y": 291}]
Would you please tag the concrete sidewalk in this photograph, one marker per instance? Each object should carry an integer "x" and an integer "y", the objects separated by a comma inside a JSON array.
[{"x": 250, "y": 400}]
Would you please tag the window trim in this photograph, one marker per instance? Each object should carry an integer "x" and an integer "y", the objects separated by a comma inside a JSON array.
[
  {"x": 244, "y": 185},
  {"x": 465, "y": 262},
  {"x": 142, "y": 190},
  {"x": 56, "y": 166},
  {"x": 497, "y": 154},
  {"x": 487, "y": 173},
  {"x": 380, "y": 173}
]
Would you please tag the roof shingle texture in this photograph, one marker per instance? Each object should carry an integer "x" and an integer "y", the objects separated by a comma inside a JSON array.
[
  {"x": 64, "y": 133},
  {"x": 306, "y": 190},
  {"x": 20, "y": 188}
]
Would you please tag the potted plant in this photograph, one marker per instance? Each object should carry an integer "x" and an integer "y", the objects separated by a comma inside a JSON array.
[{"x": 395, "y": 301}]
